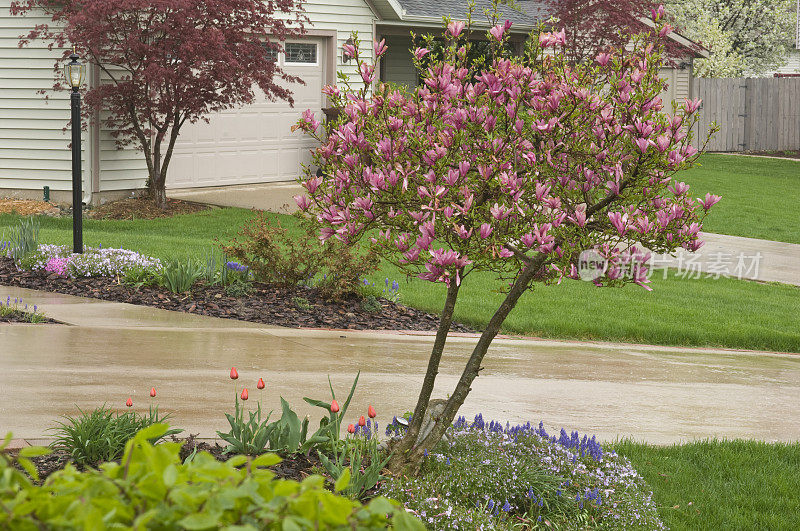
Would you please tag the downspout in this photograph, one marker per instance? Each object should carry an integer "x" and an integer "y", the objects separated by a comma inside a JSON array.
[{"x": 92, "y": 145}]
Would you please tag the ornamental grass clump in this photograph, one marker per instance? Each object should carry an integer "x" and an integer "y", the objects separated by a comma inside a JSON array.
[
  {"x": 532, "y": 167},
  {"x": 99, "y": 436},
  {"x": 499, "y": 476}
]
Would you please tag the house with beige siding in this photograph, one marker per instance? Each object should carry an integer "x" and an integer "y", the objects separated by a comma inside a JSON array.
[{"x": 247, "y": 145}]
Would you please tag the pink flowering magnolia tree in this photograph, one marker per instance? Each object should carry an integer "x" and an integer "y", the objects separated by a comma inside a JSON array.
[{"x": 519, "y": 171}]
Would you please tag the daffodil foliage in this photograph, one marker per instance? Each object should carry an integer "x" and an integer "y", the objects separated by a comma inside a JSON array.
[{"x": 531, "y": 162}]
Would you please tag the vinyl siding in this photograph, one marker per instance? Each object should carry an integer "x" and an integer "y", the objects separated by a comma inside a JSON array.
[
  {"x": 344, "y": 16},
  {"x": 678, "y": 85},
  {"x": 33, "y": 144}
]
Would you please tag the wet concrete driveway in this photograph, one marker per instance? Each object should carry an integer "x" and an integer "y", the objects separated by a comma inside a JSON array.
[{"x": 111, "y": 351}]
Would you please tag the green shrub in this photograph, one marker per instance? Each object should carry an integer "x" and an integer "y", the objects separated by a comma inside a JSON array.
[
  {"x": 276, "y": 257},
  {"x": 99, "y": 436},
  {"x": 301, "y": 303},
  {"x": 152, "y": 489},
  {"x": 140, "y": 276},
  {"x": 370, "y": 304},
  {"x": 239, "y": 288},
  {"x": 179, "y": 276}
]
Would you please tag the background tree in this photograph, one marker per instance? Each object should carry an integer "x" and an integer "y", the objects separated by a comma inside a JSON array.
[
  {"x": 519, "y": 172},
  {"x": 594, "y": 26},
  {"x": 746, "y": 37},
  {"x": 168, "y": 62}
]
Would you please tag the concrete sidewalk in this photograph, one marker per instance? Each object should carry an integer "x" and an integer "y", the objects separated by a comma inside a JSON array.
[{"x": 111, "y": 351}]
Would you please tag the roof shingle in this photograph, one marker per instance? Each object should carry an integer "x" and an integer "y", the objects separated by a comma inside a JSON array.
[{"x": 527, "y": 14}]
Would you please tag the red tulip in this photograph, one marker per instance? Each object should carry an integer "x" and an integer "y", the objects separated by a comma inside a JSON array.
[
  {"x": 351, "y": 429},
  {"x": 371, "y": 412},
  {"x": 361, "y": 421},
  {"x": 334, "y": 407},
  {"x": 153, "y": 392},
  {"x": 244, "y": 394},
  {"x": 129, "y": 403},
  {"x": 260, "y": 384},
  {"x": 234, "y": 374}
]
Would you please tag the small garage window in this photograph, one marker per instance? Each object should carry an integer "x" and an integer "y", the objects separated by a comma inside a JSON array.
[{"x": 301, "y": 53}]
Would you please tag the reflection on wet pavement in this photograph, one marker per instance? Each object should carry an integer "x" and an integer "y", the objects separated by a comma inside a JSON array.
[{"x": 111, "y": 351}]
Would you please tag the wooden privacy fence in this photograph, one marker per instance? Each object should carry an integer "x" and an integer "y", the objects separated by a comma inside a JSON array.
[{"x": 753, "y": 114}]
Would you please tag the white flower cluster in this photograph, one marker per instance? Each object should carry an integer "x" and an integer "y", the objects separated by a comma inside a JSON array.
[{"x": 94, "y": 262}]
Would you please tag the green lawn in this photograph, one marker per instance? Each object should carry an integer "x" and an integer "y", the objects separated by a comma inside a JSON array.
[
  {"x": 721, "y": 484},
  {"x": 760, "y": 196},
  {"x": 701, "y": 312}
]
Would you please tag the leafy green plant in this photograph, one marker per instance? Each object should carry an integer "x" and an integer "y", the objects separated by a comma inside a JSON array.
[
  {"x": 140, "y": 276},
  {"x": 358, "y": 466},
  {"x": 370, "y": 304},
  {"x": 239, "y": 288},
  {"x": 246, "y": 437},
  {"x": 179, "y": 276},
  {"x": 278, "y": 257},
  {"x": 100, "y": 435},
  {"x": 255, "y": 435},
  {"x": 301, "y": 303},
  {"x": 24, "y": 238},
  {"x": 152, "y": 488}
]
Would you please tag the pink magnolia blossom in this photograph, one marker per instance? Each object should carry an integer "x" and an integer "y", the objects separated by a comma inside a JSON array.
[
  {"x": 603, "y": 59},
  {"x": 709, "y": 201},
  {"x": 455, "y": 28}
]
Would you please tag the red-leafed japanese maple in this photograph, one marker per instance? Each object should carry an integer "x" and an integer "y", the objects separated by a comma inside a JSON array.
[
  {"x": 594, "y": 26},
  {"x": 521, "y": 169},
  {"x": 168, "y": 62}
]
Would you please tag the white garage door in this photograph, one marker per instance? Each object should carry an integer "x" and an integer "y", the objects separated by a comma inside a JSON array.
[{"x": 254, "y": 143}]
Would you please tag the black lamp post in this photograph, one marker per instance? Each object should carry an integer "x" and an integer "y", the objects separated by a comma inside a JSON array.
[{"x": 74, "y": 72}]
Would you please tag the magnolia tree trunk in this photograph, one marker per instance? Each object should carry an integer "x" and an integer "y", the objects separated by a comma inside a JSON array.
[{"x": 408, "y": 452}]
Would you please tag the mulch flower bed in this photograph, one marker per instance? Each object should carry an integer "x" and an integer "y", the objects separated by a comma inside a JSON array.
[
  {"x": 20, "y": 318},
  {"x": 295, "y": 466},
  {"x": 144, "y": 208},
  {"x": 266, "y": 304}
]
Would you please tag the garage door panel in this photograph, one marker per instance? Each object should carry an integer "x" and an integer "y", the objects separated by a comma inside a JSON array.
[{"x": 253, "y": 143}]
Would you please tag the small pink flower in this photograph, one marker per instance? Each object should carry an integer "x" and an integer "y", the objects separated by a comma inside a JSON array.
[
  {"x": 351, "y": 429},
  {"x": 245, "y": 396},
  {"x": 362, "y": 421},
  {"x": 334, "y": 407},
  {"x": 709, "y": 201},
  {"x": 419, "y": 53},
  {"x": 455, "y": 28},
  {"x": 129, "y": 403},
  {"x": 497, "y": 32},
  {"x": 603, "y": 59},
  {"x": 371, "y": 412},
  {"x": 260, "y": 383},
  {"x": 234, "y": 373},
  {"x": 380, "y": 48},
  {"x": 152, "y": 392}
]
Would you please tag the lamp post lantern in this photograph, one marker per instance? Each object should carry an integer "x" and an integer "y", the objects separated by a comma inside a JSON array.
[{"x": 74, "y": 72}]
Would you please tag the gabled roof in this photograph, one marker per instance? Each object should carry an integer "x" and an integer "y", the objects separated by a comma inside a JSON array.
[
  {"x": 525, "y": 14},
  {"x": 425, "y": 12}
]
